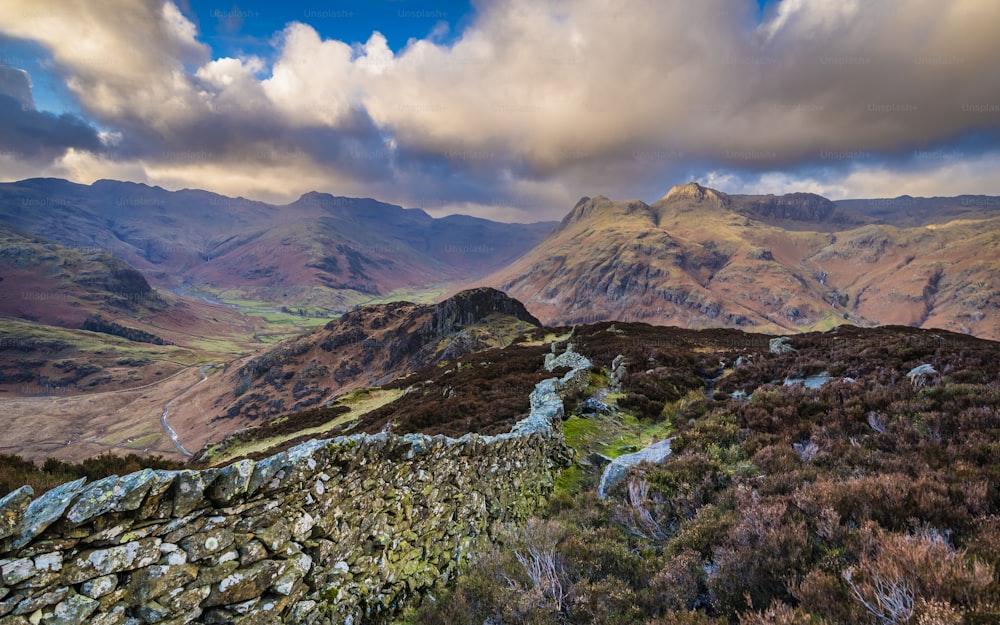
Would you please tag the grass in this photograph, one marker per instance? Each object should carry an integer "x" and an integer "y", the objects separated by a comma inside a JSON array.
[
  {"x": 550, "y": 337},
  {"x": 360, "y": 402},
  {"x": 144, "y": 442},
  {"x": 84, "y": 344},
  {"x": 419, "y": 296}
]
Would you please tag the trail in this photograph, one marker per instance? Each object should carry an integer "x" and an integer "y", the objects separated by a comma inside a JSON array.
[{"x": 166, "y": 410}]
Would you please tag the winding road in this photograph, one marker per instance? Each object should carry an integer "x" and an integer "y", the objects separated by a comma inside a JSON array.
[{"x": 166, "y": 411}]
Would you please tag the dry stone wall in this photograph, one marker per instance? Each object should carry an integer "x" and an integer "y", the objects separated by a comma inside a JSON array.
[{"x": 331, "y": 531}]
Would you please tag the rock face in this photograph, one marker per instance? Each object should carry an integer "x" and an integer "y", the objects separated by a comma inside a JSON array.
[
  {"x": 331, "y": 531},
  {"x": 472, "y": 306}
]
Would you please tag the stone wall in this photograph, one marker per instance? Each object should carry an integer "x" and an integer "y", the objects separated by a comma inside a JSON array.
[{"x": 331, "y": 531}]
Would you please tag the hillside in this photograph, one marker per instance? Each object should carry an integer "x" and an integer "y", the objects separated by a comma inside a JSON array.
[
  {"x": 803, "y": 473},
  {"x": 63, "y": 286},
  {"x": 368, "y": 347},
  {"x": 701, "y": 258},
  {"x": 803, "y": 482},
  {"x": 319, "y": 253}
]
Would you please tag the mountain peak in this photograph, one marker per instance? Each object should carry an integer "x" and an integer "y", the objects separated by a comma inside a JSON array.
[
  {"x": 694, "y": 191},
  {"x": 472, "y": 306},
  {"x": 601, "y": 207}
]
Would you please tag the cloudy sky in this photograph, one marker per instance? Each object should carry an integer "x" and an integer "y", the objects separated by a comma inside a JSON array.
[{"x": 509, "y": 109}]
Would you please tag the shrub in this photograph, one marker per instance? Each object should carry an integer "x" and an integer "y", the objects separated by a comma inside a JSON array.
[
  {"x": 767, "y": 549},
  {"x": 899, "y": 571}
]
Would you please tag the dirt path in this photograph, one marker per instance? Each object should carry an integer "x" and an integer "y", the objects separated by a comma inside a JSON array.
[
  {"x": 166, "y": 411},
  {"x": 75, "y": 427}
]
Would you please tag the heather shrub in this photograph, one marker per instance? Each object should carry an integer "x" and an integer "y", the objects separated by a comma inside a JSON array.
[
  {"x": 825, "y": 594},
  {"x": 765, "y": 550},
  {"x": 16, "y": 471},
  {"x": 680, "y": 584},
  {"x": 789, "y": 505},
  {"x": 897, "y": 572},
  {"x": 779, "y": 614}
]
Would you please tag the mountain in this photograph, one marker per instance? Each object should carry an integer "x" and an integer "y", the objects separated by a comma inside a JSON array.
[
  {"x": 59, "y": 285},
  {"x": 56, "y": 285},
  {"x": 699, "y": 257},
  {"x": 320, "y": 252},
  {"x": 907, "y": 212},
  {"x": 367, "y": 347}
]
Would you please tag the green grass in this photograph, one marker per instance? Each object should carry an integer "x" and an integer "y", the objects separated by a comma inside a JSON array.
[
  {"x": 419, "y": 296},
  {"x": 611, "y": 435}
]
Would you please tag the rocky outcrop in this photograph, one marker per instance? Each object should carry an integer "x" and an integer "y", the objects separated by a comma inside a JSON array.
[
  {"x": 473, "y": 306},
  {"x": 331, "y": 531},
  {"x": 367, "y": 347},
  {"x": 617, "y": 469}
]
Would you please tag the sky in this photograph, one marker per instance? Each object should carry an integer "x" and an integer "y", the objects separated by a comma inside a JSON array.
[{"x": 505, "y": 109}]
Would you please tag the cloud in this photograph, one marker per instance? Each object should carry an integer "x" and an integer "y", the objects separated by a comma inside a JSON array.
[
  {"x": 27, "y": 135},
  {"x": 16, "y": 84},
  {"x": 539, "y": 102}
]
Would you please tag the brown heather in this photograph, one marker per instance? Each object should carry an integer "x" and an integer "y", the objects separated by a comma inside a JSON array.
[{"x": 868, "y": 500}]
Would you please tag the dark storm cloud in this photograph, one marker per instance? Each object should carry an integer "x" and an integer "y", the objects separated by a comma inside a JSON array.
[{"x": 30, "y": 135}]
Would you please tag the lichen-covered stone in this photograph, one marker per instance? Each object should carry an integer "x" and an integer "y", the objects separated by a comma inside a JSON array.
[
  {"x": 302, "y": 526},
  {"x": 44, "y": 511},
  {"x": 111, "y": 494},
  {"x": 232, "y": 481},
  {"x": 153, "y": 612},
  {"x": 189, "y": 490},
  {"x": 16, "y": 571},
  {"x": 780, "y": 345},
  {"x": 99, "y": 586},
  {"x": 113, "y": 560},
  {"x": 209, "y": 575},
  {"x": 152, "y": 582},
  {"x": 245, "y": 584},
  {"x": 299, "y": 567},
  {"x": 13, "y": 506},
  {"x": 184, "y": 601},
  {"x": 32, "y": 603},
  {"x": 616, "y": 470},
  {"x": 253, "y": 551},
  {"x": 276, "y": 536},
  {"x": 94, "y": 500},
  {"x": 204, "y": 544},
  {"x": 156, "y": 504},
  {"x": 49, "y": 562},
  {"x": 116, "y": 616},
  {"x": 73, "y": 610},
  {"x": 179, "y": 529}
]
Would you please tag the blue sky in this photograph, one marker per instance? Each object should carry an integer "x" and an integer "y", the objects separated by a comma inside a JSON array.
[
  {"x": 510, "y": 109},
  {"x": 249, "y": 26}
]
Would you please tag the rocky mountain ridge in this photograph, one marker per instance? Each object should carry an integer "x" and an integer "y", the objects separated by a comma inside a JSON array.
[{"x": 699, "y": 257}]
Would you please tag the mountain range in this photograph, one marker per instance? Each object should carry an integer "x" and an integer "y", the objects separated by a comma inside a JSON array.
[
  {"x": 701, "y": 258},
  {"x": 322, "y": 252},
  {"x": 695, "y": 258},
  {"x": 119, "y": 298}
]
